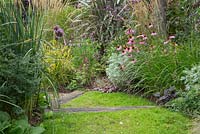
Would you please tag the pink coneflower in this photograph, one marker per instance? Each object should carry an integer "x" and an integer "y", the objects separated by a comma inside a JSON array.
[
  {"x": 153, "y": 33},
  {"x": 123, "y": 52},
  {"x": 134, "y": 61},
  {"x": 130, "y": 42},
  {"x": 119, "y": 48},
  {"x": 172, "y": 37},
  {"x": 166, "y": 42},
  {"x": 145, "y": 38},
  {"x": 132, "y": 38},
  {"x": 142, "y": 42},
  {"x": 150, "y": 25},
  {"x": 127, "y": 49},
  {"x": 141, "y": 36},
  {"x": 130, "y": 49},
  {"x": 130, "y": 55},
  {"x": 130, "y": 31}
]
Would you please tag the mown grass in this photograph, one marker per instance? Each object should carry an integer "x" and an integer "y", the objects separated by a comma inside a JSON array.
[
  {"x": 98, "y": 99},
  {"x": 145, "y": 121}
]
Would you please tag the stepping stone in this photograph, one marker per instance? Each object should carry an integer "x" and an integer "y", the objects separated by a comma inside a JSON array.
[
  {"x": 64, "y": 98},
  {"x": 101, "y": 109},
  {"x": 196, "y": 128}
]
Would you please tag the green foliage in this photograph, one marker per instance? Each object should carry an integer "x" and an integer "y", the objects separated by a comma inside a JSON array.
[
  {"x": 191, "y": 78},
  {"x": 4, "y": 121},
  {"x": 182, "y": 18},
  {"x": 48, "y": 115},
  {"x": 189, "y": 102},
  {"x": 158, "y": 71},
  {"x": 85, "y": 62},
  {"x": 59, "y": 65},
  {"x": 20, "y": 54},
  {"x": 20, "y": 126}
]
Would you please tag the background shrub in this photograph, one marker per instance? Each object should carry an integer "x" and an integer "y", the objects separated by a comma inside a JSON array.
[
  {"x": 59, "y": 65},
  {"x": 85, "y": 59},
  {"x": 182, "y": 18}
]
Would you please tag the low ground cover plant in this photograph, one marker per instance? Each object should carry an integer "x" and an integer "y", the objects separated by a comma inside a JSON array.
[{"x": 188, "y": 101}]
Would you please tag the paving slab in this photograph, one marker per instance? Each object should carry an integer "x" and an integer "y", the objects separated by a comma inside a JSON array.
[{"x": 101, "y": 109}]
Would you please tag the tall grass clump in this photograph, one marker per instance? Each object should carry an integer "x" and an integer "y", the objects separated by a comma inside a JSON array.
[
  {"x": 159, "y": 70},
  {"x": 21, "y": 28},
  {"x": 108, "y": 19}
]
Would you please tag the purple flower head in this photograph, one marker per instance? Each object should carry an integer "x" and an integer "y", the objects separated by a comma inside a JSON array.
[
  {"x": 59, "y": 32},
  {"x": 25, "y": 3},
  {"x": 56, "y": 28}
]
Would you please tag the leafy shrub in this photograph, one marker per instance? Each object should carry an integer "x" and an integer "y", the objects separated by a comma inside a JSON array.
[
  {"x": 20, "y": 55},
  {"x": 20, "y": 126},
  {"x": 182, "y": 18},
  {"x": 189, "y": 102},
  {"x": 191, "y": 78},
  {"x": 117, "y": 63},
  {"x": 85, "y": 62}
]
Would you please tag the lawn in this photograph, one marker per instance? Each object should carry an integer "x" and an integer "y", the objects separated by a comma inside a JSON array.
[
  {"x": 148, "y": 121},
  {"x": 98, "y": 99},
  {"x": 141, "y": 121}
]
